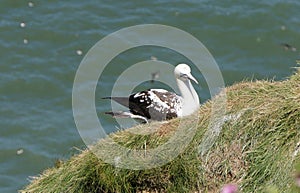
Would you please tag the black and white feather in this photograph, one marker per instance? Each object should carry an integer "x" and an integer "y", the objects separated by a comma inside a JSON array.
[{"x": 160, "y": 104}]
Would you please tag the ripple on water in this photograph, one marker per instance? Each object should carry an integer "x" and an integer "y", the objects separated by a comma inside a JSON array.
[{"x": 40, "y": 52}]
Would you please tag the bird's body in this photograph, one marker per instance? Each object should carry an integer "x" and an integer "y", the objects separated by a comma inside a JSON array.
[{"x": 160, "y": 104}]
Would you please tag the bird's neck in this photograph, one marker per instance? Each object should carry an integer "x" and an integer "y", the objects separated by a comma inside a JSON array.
[{"x": 190, "y": 98}]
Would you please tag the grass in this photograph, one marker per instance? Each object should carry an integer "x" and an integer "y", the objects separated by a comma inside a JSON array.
[{"x": 256, "y": 149}]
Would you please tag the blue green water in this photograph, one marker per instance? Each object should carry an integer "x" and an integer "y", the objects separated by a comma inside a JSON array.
[{"x": 39, "y": 44}]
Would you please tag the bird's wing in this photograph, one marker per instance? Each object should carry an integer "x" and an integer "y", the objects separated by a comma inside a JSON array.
[
  {"x": 139, "y": 103},
  {"x": 122, "y": 114},
  {"x": 172, "y": 103},
  {"x": 156, "y": 104}
]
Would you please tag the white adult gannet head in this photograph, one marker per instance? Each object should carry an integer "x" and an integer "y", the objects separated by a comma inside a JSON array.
[{"x": 183, "y": 72}]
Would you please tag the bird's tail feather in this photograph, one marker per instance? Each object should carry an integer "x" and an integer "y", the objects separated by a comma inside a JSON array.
[{"x": 122, "y": 114}]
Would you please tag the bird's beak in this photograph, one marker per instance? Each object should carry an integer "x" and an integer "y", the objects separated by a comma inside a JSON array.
[{"x": 192, "y": 78}]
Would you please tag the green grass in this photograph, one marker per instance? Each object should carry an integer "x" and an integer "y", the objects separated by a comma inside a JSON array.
[{"x": 256, "y": 149}]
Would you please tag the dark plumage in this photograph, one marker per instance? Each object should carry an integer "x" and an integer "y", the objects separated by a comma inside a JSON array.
[{"x": 154, "y": 104}]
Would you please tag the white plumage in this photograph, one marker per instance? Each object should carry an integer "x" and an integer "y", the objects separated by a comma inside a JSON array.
[{"x": 160, "y": 104}]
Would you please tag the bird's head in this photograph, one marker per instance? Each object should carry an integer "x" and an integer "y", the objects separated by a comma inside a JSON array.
[{"x": 183, "y": 72}]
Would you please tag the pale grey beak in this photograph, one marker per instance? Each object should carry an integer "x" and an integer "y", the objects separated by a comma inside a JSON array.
[{"x": 192, "y": 78}]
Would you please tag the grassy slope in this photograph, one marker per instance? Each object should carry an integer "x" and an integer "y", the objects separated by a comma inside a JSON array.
[{"x": 255, "y": 150}]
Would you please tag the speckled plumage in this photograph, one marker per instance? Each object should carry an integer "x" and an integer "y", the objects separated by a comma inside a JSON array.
[
  {"x": 156, "y": 104},
  {"x": 160, "y": 104}
]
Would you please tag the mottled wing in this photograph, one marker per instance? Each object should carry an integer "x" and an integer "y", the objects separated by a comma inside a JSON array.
[
  {"x": 138, "y": 104},
  {"x": 155, "y": 104},
  {"x": 173, "y": 107}
]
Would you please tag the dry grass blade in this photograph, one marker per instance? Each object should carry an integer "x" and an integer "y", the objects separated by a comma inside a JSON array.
[{"x": 257, "y": 148}]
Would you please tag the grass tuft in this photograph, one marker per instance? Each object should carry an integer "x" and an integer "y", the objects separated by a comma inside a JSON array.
[{"x": 257, "y": 149}]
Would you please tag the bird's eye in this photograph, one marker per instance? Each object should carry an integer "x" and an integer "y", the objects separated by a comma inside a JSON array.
[{"x": 183, "y": 75}]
